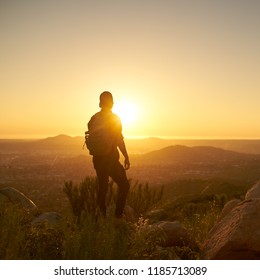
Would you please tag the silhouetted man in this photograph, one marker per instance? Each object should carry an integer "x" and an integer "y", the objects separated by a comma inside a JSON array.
[{"x": 104, "y": 139}]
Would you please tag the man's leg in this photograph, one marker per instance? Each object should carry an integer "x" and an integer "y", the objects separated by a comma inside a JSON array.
[
  {"x": 118, "y": 174},
  {"x": 101, "y": 194},
  {"x": 103, "y": 179}
]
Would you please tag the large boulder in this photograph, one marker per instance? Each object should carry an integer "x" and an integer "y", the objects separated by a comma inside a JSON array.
[
  {"x": 237, "y": 235},
  {"x": 228, "y": 207},
  {"x": 175, "y": 234},
  {"x": 254, "y": 192},
  {"x": 16, "y": 197},
  {"x": 3, "y": 199}
]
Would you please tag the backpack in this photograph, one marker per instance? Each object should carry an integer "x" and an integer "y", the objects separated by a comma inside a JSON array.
[{"x": 98, "y": 137}]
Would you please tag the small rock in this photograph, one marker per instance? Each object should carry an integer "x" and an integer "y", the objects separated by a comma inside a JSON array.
[
  {"x": 51, "y": 218},
  {"x": 130, "y": 214},
  {"x": 175, "y": 234}
]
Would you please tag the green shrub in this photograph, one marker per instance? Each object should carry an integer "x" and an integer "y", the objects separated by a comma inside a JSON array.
[
  {"x": 199, "y": 219},
  {"x": 97, "y": 238},
  {"x": 91, "y": 236},
  {"x": 43, "y": 243},
  {"x": 86, "y": 234},
  {"x": 83, "y": 196},
  {"x": 13, "y": 229},
  {"x": 142, "y": 197}
]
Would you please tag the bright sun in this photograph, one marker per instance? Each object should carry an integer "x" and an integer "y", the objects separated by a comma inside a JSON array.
[{"x": 127, "y": 111}]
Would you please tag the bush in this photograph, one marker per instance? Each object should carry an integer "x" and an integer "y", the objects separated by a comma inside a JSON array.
[
  {"x": 43, "y": 243},
  {"x": 94, "y": 239},
  {"x": 13, "y": 229},
  {"x": 142, "y": 198},
  {"x": 86, "y": 234},
  {"x": 83, "y": 196},
  {"x": 90, "y": 236}
]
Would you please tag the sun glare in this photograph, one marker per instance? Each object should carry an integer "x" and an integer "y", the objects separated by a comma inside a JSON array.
[{"x": 127, "y": 111}]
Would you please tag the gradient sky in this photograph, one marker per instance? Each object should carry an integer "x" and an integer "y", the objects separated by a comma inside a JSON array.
[{"x": 191, "y": 67}]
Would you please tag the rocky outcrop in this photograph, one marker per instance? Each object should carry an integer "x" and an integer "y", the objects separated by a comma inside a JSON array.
[
  {"x": 16, "y": 197},
  {"x": 254, "y": 192},
  {"x": 228, "y": 208},
  {"x": 237, "y": 234}
]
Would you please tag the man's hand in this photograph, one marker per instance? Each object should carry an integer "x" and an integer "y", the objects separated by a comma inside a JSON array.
[
  {"x": 127, "y": 163},
  {"x": 122, "y": 148}
]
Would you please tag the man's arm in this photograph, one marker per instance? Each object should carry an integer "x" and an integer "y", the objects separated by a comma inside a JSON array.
[{"x": 122, "y": 148}]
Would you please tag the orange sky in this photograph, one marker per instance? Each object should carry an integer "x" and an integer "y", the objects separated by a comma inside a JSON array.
[{"x": 190, "y": 67}]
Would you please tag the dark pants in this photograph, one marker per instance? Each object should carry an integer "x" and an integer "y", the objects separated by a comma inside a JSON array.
[{"x": 110, "y": 167}]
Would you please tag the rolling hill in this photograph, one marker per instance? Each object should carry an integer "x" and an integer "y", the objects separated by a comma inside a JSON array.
[
  {"x": 57, "y": 144},
  {"x": 184, "y": 154}
]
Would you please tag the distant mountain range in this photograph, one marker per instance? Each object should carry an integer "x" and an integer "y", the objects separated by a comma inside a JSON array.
[
  {"x": 152, "y": 147},
  {"x": 57, "y": 144},
  {"x": 60, "y": 140}
]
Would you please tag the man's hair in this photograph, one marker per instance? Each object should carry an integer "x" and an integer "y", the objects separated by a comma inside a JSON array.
[{"x": 106, "y": 100}]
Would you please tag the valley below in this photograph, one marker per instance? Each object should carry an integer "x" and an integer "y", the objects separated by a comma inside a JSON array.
[{"x": 40, "y": 168}]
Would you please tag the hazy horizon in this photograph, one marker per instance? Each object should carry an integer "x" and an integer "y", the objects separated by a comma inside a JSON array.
[{"x": 41, "y": 137}]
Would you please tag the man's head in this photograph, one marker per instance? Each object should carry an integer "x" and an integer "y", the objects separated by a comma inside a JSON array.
[{"x": 106, "y": 100}]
